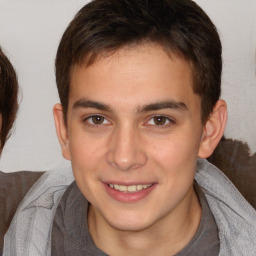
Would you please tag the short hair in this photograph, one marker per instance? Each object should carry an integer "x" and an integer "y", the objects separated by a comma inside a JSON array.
[
  {"x": 8, "y": 97},
  {"x": 181, "y": 27}
]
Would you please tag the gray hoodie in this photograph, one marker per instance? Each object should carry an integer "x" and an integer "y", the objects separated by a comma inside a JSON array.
[{"x": 235, "y": 218}]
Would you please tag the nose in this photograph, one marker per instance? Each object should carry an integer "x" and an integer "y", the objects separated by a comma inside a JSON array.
[{"x": 126, "y": 150}]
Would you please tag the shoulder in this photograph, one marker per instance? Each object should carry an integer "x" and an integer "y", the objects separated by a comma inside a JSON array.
[
  {"x": 13, "y": 188},
  {"x": 234, "y": 216},
  {"x": 36, "y": 212}
]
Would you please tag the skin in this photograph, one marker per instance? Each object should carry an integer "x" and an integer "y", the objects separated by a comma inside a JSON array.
[{"x": 133, "y": 118}]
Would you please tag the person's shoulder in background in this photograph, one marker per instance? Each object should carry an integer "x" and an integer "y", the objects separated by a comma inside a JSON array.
[
  {"x": 13, "y": 188},
  {"x": 234, "y": 159}
]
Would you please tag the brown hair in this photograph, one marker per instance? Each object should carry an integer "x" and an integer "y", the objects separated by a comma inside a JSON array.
[
  {"x": 180, "y": 26},
  {"x": 8, "y": 97}
]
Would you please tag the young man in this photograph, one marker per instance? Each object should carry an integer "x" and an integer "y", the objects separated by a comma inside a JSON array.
[{"x": 139, "y": 84}]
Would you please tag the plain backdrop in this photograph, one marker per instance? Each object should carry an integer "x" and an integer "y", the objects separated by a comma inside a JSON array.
[{"x": 30, "y": 31}]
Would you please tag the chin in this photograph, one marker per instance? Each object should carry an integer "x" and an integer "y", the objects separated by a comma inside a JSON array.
[{"x": 130, "y": 222}]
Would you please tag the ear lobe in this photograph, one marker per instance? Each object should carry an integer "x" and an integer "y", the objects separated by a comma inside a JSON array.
[
  {"x": 213, "y": 129},
  {"x": 61, "y": 130}
]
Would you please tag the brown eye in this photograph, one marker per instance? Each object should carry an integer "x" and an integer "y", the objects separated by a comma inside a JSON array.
[
  {"x": 160, "y": 120},
  {"x": 97, "y": 120}
]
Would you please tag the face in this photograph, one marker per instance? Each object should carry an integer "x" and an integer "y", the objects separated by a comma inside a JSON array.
[{"x": 133, "y": 134}]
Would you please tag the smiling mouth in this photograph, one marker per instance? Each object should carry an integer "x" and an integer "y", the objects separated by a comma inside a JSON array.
[{"x": 129, "y": 189}]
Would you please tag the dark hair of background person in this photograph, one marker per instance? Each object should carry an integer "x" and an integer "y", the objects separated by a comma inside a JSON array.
[
  {"x": 181, "y": 27},
  {"x": 8, "y": 97}
]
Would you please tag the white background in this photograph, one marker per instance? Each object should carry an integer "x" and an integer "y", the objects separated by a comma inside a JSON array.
[{"x": 30, "y": 31}]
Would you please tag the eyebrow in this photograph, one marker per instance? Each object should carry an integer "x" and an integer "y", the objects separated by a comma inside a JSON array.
[
  {"x": 83, "y": 103},
  {"x": 171, "y": 104}
]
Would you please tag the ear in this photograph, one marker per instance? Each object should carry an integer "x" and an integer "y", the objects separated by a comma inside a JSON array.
[
  {"x": 213, "y": 129},
  {"x": 61, "y": 130}
]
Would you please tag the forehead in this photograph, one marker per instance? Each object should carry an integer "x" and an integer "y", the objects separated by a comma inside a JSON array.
[{"x": 137, "y": 74}]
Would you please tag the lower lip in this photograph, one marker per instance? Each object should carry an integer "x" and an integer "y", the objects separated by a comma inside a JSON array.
[{"x": 128, "y": 197}]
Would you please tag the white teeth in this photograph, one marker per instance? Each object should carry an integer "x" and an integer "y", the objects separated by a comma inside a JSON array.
[
  {"x": 132, "y": 188},
  {"x": 139, "y": 187},
  {"x": 129, "y": 189},
  {"x": 122, "y": 188}
]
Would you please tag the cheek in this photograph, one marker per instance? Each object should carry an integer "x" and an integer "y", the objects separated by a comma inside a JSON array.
[
  {"x": 87, "y": 152},
  {"x": 175, "y": 151},
  {"x": 85, "y": 160},
  {"x": 176, "y": 161}
]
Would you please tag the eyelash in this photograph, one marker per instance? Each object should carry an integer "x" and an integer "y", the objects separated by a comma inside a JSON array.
[
  {"x": 93, "y": 124},
  {"x": 166, "y": 119},
  {"x": 88, "y": 123}
]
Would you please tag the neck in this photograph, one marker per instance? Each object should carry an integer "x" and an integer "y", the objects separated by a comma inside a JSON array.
[{"x": 171, "y": 233}]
